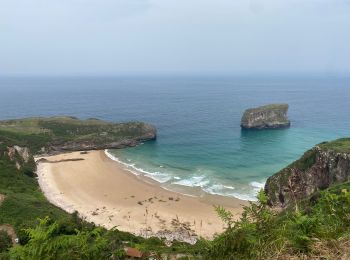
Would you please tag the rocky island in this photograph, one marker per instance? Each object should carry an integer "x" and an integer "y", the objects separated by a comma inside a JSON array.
[
  {"x": 323, "y": 166},
  {"x": 265, "y": 117}
]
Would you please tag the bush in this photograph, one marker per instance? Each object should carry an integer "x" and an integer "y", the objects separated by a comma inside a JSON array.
[
  {"x": 45, "y": 242},
  {"x": 5, "y": 241},
  {"x": 264, "y": 234}
]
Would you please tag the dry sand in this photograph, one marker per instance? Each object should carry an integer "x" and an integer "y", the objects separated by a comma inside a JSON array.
[{"x": 104, "y": 192}]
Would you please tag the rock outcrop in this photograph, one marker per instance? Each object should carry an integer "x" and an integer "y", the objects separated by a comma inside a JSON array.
[
  {"x": 147, "y": 132},
  {"x": 319, "y": 168},
  {"x": 264, "y": 117},
  {"x": 20, "y": 155},
  {"x": 53, "y": 135}
]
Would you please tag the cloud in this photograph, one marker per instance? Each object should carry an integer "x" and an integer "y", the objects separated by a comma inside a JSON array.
[{"x": 111, "y": 37}]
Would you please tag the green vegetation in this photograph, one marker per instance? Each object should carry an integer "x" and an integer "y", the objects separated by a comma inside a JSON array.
[
  {"x": 272, "y": 107},
  {"x": 282, "y": 179},
  {"x": 340, "y": 146},
  {"x": 45, "y": 231},
  {"x": 46, "y": 241},
  {"x": 306, "y": 161},
  {"x": 269, "y": 107},
  {"x": 37, "y": 133},
  {"x": 5, "y": 241},
  {"x": 320, "y": 229},
  {"x": 24, "y": 201}
]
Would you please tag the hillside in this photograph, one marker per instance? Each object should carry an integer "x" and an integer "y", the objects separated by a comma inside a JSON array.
[{"x": 22, "y": 203}]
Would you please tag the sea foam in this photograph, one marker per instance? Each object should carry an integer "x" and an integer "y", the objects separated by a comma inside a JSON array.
[
  {"x": 195, "y": 181},
  {"x": 157, "y": 176},
  {"x": 201, "y": 181}
]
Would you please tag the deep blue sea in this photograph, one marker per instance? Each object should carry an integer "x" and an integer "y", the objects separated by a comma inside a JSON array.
[{"x": 200, "y": 143}]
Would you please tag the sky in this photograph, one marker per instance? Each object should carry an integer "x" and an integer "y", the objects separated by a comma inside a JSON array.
[{"x": 127, "y": 37}]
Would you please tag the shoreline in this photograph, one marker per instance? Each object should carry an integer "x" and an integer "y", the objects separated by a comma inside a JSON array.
[
  {"x": 174, "y": 183},
  {"x": 103, "y": 191}
]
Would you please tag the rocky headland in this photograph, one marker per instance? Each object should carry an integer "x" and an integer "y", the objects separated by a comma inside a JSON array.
[
  {"x": 54, "y": 135},
  {"x": 319, "y": 168},
  {"x": 266, "y": 117}
]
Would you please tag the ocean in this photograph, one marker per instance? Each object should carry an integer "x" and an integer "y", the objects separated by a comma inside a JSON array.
[{"x": 200, "y": 147}]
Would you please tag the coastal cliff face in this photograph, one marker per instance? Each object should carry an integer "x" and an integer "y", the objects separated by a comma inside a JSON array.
[
  {"x": 319, "y": 168},
  {"x": 269, "y": 116}
]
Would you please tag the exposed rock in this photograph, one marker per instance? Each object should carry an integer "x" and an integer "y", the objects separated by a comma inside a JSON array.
[
  {"x": 171, "y": 236},
  {"x": 317, "y": 169},
  {"x": 2, "y": 198},
  {"x": 23, "y": 152},
  {"x": 11, "y": 153},
  {"x": 18, "y": 154},
  {"x": 269, "y": 116},
  {"x": 149, "y": 133},
  {"x": 18, "y": 166}
]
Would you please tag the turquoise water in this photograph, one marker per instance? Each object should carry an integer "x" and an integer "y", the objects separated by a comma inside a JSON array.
[{"x": 200, "y": 143}]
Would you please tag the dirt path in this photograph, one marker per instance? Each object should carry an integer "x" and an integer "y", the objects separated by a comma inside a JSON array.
[
  {"x": 10, "y": 231},
  {"x": 2, "y": 198}
]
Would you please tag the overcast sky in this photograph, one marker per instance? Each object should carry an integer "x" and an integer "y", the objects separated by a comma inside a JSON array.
[{"x": 116, "y": 37}]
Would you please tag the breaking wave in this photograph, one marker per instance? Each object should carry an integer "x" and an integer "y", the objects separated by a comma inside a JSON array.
[{"x": 197, "y": 181}]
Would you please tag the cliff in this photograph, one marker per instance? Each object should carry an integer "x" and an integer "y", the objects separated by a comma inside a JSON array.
[
  {"x": 326, "y": 164},
  {"x": 58, "y": 134},
  {"x": 268, "y": 116}
]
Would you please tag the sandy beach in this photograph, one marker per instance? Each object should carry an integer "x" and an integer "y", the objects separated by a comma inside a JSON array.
[{"x": 104, "y": 192}]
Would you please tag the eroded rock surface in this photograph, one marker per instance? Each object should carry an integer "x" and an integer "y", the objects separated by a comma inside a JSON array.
[
  {"x": 264, "y": 117},
  {"x": 319, "y": 168}
]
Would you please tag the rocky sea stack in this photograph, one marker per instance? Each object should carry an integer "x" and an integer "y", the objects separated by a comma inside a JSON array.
[
  {"x": 318, "y": 169},
  {"x": 266, "y": 117}
]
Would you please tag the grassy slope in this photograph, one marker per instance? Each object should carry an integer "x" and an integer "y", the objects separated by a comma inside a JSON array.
[
  {"x": 25, "y": 203},
  {"x": 340, "y": 146},
  {"x": 38, "y": 132}
]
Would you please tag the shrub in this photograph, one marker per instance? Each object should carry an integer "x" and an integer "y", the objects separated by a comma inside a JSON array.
[{"x": 5, "y": 241}]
